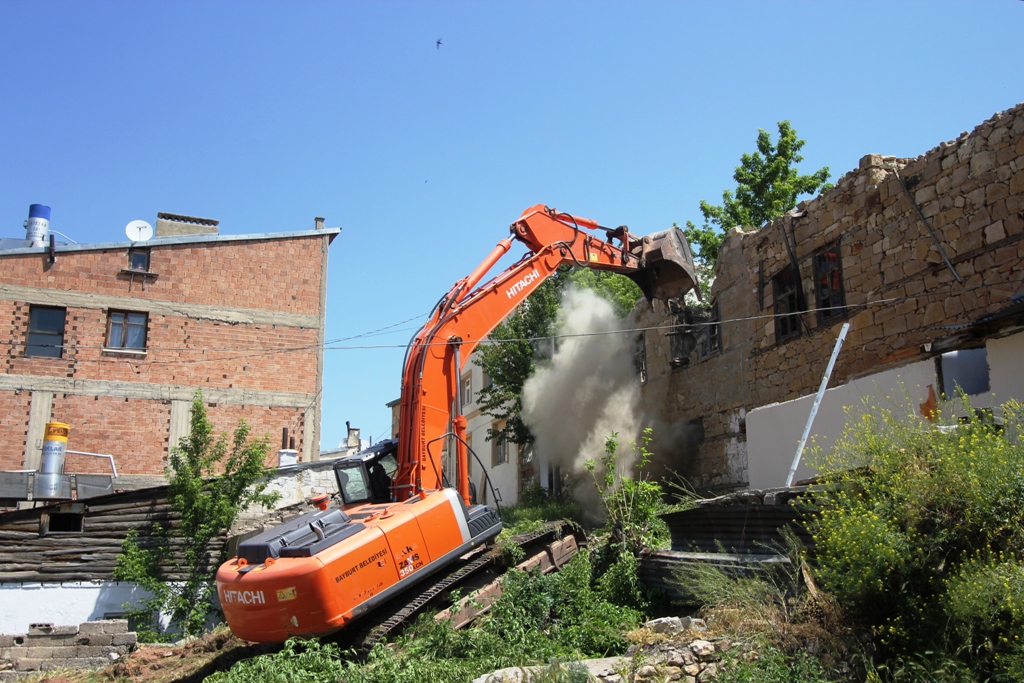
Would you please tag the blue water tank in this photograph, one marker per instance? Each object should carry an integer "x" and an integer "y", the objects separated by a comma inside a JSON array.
[{"x": 39, "y": 211}]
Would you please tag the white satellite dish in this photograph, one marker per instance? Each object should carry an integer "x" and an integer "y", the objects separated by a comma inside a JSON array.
[{"x": 138, "y": 231}]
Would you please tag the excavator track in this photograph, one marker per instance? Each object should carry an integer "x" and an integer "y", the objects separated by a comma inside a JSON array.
[{"x": 389, "y": 619}]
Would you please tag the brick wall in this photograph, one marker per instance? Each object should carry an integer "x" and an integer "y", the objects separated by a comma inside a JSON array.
[
  {"x": 232, "y": 273},
  {"x": 900, "y": 296},
  {"x": 262, "y": 352}
]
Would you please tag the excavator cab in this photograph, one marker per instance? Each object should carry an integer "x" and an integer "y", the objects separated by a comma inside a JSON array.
[{"x": 365, "y": 477}]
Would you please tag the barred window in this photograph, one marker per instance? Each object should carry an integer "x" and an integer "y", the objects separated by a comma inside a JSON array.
[
  {"x": 787, "y": 305},
  {"x": 828, "y": 279}
]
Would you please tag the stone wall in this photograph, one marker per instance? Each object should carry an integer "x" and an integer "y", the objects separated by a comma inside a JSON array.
[
  {"x": 903, "y": 302},
  {"x": 91, "y": 645}
]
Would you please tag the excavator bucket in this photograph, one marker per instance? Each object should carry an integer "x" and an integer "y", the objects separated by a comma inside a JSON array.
[{"x": 666, "y": 266}]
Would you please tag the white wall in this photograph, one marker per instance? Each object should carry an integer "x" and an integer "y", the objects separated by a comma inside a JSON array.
[
  {"x": 62, "y": 604},
  {"x": 1006, "y": 368},
  {"x": 773, "y": 431},
  {"x": 504, "y": 477}
]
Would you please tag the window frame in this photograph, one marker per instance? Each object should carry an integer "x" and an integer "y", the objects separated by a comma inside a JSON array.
[
  {"x": 499, "y": 451},
  {"x": 833, "y": 305},
  {"x": 131, "y": 259},
  {"x": 786, "y": 288},
  {"x": 466, "y": 389},
  {"x": 29, "y": 345},
  {"x": 123, "y": 348}
]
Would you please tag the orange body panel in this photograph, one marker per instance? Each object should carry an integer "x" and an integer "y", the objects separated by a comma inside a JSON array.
[{"x": 314, "y": 596}]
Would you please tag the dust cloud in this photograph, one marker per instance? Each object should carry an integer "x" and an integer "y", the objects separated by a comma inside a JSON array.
[{"x": 589, "y": 390}]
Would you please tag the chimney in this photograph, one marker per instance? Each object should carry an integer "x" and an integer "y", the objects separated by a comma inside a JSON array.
[
  {"x": 319, "y": 222},
  {"x": 168, "y": 224}
]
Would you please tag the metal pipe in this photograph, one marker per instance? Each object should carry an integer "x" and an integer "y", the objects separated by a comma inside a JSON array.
[
  {"x": 938, "y": 245},
  {"x": 817, "y": 402},
  {"x": 98, "y": 455}
]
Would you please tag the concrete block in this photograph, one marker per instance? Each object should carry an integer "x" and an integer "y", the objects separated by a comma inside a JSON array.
[
  {"x": 90, "y": 651},
  {"x": 40, "y": 629},
  {"x": 37, "y": 652},
  {"x": 11, "y": 640},
  {"x": 28, "y": 664},
  {"x": 104, "y": 626},
  {"x": 129, "y": 638},
  {"x": 97, "y": 639},
  {"x": 85, "y": 662}
]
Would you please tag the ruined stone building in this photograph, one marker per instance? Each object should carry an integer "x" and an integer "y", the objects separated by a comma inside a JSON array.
[
  {"x": 922, "y": 256},
  {"x": 115, "y": 338}
]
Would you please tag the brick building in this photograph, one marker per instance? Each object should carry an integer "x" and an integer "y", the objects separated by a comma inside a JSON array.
[
  {"x": 115, "y": 338},
  {"x": 939, "y": 311}
]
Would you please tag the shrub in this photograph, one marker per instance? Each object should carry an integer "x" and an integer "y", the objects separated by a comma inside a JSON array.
[
  {"x": 920, "y": 535},
  {"x": 208, "y": 505}
]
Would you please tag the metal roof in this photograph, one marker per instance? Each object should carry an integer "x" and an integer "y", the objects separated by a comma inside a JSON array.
[{"x": 170, "y": 240}]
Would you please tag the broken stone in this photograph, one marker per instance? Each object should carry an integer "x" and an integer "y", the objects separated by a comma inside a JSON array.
[
  {"x": 703, "y": 649},
  {"x": 666, "y": 625}
]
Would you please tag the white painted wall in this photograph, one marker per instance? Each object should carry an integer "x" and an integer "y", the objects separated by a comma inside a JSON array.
[
  {"x": 1006, "y": 368},
  {"x": 62, "y": 604},
  {"x": 504, "y": 477},
  {"x": 773, "y": 431}
]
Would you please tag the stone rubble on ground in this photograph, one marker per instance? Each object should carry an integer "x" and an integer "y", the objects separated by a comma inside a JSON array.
[{"x": 689, "y": 659}]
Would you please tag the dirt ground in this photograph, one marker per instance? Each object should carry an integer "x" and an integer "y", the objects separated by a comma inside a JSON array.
[{"x": 188, "y": 663}]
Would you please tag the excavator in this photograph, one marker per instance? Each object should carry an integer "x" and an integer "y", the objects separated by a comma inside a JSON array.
[{"x": 400, "y": 519}]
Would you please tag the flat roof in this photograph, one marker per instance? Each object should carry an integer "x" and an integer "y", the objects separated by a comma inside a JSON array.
[{"x": 175, "y": 239}]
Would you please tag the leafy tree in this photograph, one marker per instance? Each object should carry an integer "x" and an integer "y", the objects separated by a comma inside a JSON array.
[
  {"x": 767, "y": 185},
  {"x": 523, "y": 339},
  {"x": 210, "y": 483}
]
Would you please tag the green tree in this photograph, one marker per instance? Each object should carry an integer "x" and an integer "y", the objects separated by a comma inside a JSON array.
[
  {"x": 767, "y": 186},
  {"x": 524, "y": 338},
  {"x": 210, "y": 483}
]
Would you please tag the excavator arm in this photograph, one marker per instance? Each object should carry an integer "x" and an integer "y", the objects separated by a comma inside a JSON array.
[{"x": 661, "y": 264}]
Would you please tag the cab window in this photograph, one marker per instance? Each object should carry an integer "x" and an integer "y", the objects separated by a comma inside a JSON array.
[{"x": 352, "y": 483}]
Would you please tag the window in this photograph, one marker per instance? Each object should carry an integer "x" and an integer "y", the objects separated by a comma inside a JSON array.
[
  {"x": 467, "y": 389},
  {"x": 828, "y": 279},
  {"x": 45, "y": 331},
  {"x": 126, "y": 330},
  {"x": 138, "y": 259},
  {"x": 713, "y": 338},
  {"x": 499, "y": 451},
  {"x": 640, "y": 357},
  {"x": 787, "y": 304}
]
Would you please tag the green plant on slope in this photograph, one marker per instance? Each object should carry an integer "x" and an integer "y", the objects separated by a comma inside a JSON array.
[
  {"x": 920, "y": 534},
  {"x": 632, "y": 504},
  {"x": 210, "y": 483}
]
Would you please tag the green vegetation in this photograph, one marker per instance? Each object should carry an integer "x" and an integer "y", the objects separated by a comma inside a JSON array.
[
  {"x": 210, "y": 483},
  {"x": 920, "y": 536},
  {"x": 767, "y": 186},
  {"x": 536, "y": 507}
]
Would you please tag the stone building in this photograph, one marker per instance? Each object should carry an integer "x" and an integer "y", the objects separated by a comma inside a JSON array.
[
  {"x": 115, "y": 338},
  {"x": 922, "y": 256}
]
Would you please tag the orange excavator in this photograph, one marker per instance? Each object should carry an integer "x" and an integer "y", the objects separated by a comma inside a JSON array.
[{"x": 400, "y": 521}]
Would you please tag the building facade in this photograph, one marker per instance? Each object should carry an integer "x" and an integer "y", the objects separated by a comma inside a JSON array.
[
  {"x": 114, "y": 339},
  {"x": 923, "y": 257}
]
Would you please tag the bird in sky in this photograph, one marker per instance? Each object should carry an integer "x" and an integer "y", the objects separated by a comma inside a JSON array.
[{"x": 438, "y": 43}]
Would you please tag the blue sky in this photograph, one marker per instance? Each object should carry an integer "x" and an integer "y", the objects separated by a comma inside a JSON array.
[{"x": 266, "y": 114}]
